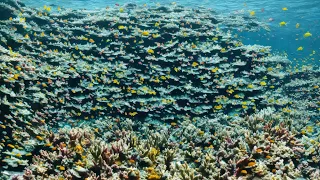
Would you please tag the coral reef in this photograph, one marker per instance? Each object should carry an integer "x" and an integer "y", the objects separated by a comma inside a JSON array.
[{"x": 162, "y": 92}]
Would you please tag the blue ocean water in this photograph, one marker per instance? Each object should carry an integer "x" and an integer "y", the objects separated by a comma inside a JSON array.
[{"x": 284, "y": 39}]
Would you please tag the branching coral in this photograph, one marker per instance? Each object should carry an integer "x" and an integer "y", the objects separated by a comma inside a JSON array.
[{"x": 150, "y": 93}]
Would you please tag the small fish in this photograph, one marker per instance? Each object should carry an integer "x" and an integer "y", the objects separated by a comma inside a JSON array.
[
  {"x": 121, "y": 27},
  {"x": 218, "y": 107},
  {"x": 145, "y": 33},
  {"x": 307, "y": 34},
  {"x": 194, "y": 64},
  {"x": 297, "y": 25},
  {"x": 39, "y": 138},
  {"x": 133, "y": 113},
  {"x": 11, "y": 146},
  {"x": 252, "y": 13},
  {"x": 150, "y": 51},
  {"x": 47, "y": 8},
  {"x": 23, "y": 19},
  {"x": 300, "y": 48},
  {"x": 284, "y": 9},
  {"x": 263, "y": 83},
  {"x": 282, "y": 23}
]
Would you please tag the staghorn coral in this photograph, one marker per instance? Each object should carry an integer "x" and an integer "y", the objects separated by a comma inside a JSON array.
[{"x": 229, "y": 158}]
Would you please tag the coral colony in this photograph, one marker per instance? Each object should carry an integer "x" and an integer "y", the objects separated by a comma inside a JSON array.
[{"x": 151, "y": 92}]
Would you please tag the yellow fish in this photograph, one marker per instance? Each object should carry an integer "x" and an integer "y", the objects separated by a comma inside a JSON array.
[
  {"x": 215, "y": 39},
  {"x": 150, "y": 51},
  {"x": 285, "y": 9},
  {"x": 155, "y": 35},
  {"x": 47, "y": 8},
  {"x": 307, "y": 34},
  {"x": 22, "y": 19},
  {"x": 218, "y": 107},
  {"x": 145, "y": 33},
  {"x": 236, "y": 96},
  {"x": 194, "y": 64},
  {"x": 297, "y": 25},
  {"x": 300, "y": 48},
  {"x": 282, "y": 23},
  {"x": 262, "y": 83},
  {"x": 133, "y": 113},
  {"x": 252, "y": 13},
  {"x": 121, "y": 27}
]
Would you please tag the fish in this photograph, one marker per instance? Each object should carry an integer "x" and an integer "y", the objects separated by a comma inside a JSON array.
[
  {"x": 307, "y": 34},
  {"x": 122, "y": 27},
  {"x": 300, "y": 48},
  {"x": 47, "y": 8},
  {"x": 263, "y": 83},
  {"x": 282, "y": 23}
]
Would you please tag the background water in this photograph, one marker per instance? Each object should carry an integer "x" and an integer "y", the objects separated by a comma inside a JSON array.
[{"x": 285, "y": 39}]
